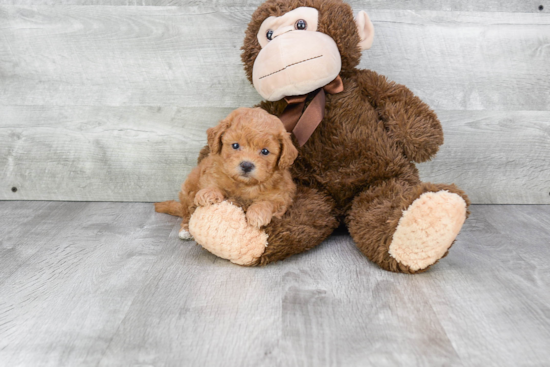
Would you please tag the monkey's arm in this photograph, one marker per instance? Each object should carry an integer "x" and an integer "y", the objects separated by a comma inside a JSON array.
[{"x": 409, "y": 120}]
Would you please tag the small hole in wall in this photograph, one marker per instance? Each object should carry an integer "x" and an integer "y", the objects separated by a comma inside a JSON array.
[
  {"x": 14, "y": 189},
  {"x": 541, "y": 8}
]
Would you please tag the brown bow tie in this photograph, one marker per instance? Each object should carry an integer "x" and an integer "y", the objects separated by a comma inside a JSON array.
[{"x": 302, "y": 125}]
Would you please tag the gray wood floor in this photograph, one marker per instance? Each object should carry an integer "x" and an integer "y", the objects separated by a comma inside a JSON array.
[{"x": 110, "y": 284}]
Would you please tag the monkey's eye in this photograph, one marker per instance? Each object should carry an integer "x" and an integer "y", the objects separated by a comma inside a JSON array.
[
  {"x": 269, "y": 34},
  {"x": 265, "y": 151},
  {"x": 235, "y": 145},
  {"x": 300, "y": 25}
]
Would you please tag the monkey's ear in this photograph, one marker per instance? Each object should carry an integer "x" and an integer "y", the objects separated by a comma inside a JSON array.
[
  {"x": 214, "y": 136},
  {"x": 289, "y": 153},
  {"x": 365, "y": 29}
]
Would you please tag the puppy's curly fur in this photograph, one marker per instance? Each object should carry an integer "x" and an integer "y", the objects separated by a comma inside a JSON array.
[{"x": 249, "y": 156}]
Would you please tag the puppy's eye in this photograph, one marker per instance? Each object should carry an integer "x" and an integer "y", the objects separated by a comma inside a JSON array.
[
  {"x": 269, "y": 34},
  {"x": 300, "y": 25},
  {"x": 235, "y": 145},
  {"x": 265, "y": 151}
]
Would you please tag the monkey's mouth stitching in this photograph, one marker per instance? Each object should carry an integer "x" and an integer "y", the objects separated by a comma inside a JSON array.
[{"x": 286, "y": 67}]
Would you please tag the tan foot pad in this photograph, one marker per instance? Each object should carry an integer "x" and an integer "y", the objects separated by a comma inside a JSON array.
[
  {"x": 427, "y": 229},
  {"x": 222, "y": 229}
]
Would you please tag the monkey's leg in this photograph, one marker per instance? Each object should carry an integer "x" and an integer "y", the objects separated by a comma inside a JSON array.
[
  {"x": 222, "y": 229},
  {"x": 307, "y": 222},
  {"x": 405, "y": 228}
]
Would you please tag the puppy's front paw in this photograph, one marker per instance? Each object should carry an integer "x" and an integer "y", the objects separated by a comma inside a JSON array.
[
  {"x": 257, "y": 216},
  {"x": 207, "y": 197}
]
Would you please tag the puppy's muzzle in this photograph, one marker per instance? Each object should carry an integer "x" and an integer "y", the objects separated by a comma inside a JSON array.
[{"x": 247, "y": 167}]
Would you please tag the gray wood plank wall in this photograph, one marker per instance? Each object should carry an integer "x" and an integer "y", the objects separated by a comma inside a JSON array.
[{"x": 110, "y": 101}]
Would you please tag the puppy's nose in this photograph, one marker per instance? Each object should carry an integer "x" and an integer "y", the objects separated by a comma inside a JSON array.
[{"x": 247, "y": 166}]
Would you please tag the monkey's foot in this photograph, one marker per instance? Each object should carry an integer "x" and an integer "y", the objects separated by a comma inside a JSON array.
[
  {"x": 223, "y": 230},
  {"x": 427, "y": 229}
]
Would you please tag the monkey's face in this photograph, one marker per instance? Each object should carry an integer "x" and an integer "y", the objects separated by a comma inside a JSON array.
[
  {"x": 295, "y": 58},
  {"x": 293, "y": 47}
]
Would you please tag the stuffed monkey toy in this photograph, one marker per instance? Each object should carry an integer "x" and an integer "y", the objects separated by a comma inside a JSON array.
[{"x": 358, "y": 137}]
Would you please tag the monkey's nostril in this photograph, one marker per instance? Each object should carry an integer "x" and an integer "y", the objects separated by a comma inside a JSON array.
[{"x": 247, "y": 166}]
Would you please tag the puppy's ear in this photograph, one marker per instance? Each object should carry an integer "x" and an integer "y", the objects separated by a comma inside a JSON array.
[
  {"x": 288, "y": 151},
  {"x": 214, "y": 135}
]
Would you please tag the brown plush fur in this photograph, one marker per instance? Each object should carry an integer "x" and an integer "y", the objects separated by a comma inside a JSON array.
[
  {"x": 311, "y": 218},
  {"x": 357, "y": 167},
  {"x": 265, "y": 192}
]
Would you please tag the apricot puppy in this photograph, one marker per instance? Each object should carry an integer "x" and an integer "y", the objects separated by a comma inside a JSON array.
[{"x": 250, "y": 153}]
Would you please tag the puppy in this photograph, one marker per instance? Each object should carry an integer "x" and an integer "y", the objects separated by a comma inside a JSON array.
[{"x": 250, "y": 153}]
